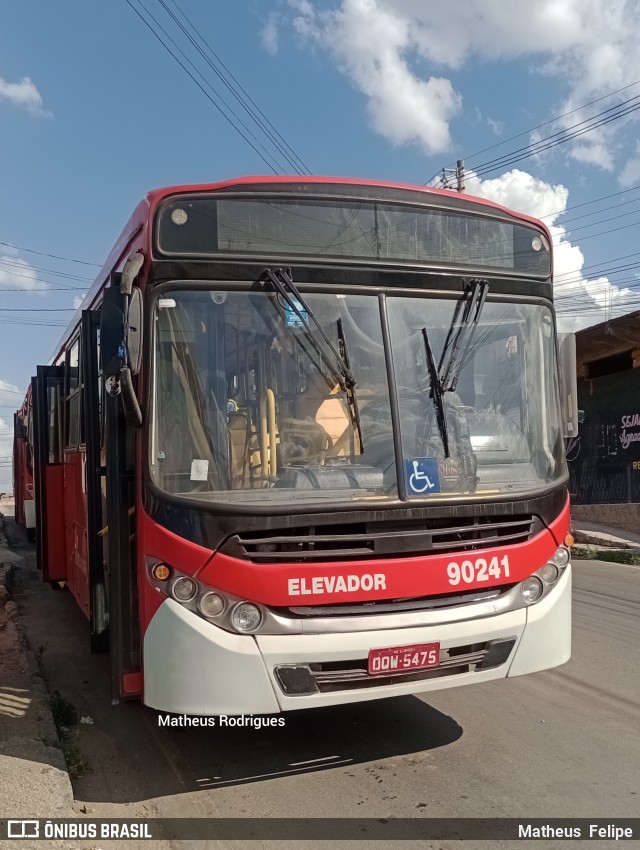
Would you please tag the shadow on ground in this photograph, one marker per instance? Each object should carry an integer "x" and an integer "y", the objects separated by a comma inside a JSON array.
[{"x": 130, "y": 757}]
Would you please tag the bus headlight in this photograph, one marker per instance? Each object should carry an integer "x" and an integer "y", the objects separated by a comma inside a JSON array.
[
  {"x": 184, "y": 589},
  {"x": 549, "y": 573},
  {"x": 217, "y": 607},
  {"x": 561, "y": 556},
  {"x": 246, "y": 617},
  {"x": 531, "y": 589},
  {"x": 211, "y": 604}
]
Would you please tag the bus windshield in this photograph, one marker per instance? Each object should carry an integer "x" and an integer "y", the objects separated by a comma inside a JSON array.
[{"x": 244, "y": 411}]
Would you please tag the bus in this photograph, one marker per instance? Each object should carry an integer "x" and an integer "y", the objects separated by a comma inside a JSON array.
[
  {"x": 302, "y": 445},
  {"x": 23, "y": 468}
]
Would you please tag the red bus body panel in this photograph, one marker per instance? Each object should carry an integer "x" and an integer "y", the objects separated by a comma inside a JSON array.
[
  {"x": 425, "y": 575},
  {"x": 75, "y": 525},
  {"x": 55, "y": 542}
]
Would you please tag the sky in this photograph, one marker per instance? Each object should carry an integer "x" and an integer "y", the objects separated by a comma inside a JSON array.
[{"x": 540, "y": 100}]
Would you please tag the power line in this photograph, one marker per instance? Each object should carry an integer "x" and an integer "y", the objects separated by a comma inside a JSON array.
[
  {"x": 552, "y": 120},
  {"x": 222, "y": 111},
  {"x": 566, "y": 221},
  {"x": 544, "y": 124},
  {"x": 26, "y": 291},
  {"x": 586, "y": 203},
  {"x": 66, "y": 275},
  {"x": 236, "y": 89},
  {"x": 37, "y": 309},
  {"x": 561, "y": 137},
  {"x": 602, "y": 221},
  {"x": 52, "y": 283},
  {"x": 52, "y": 256}
]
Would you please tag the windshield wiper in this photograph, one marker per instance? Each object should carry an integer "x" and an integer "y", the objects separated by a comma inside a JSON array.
[
  {"x": 461, "y": 333},
  {"x": 336, "y": 362},
  {"x": 437, "y": 391}
]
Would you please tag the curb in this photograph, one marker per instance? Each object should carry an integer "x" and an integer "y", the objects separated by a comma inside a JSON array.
[{"x": 593, "y": 538}]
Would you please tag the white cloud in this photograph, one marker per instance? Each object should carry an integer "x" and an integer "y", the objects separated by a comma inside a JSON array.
[
  {"x": 16, "y": 273},
  {"x": 580, "y": 300},
  {"x": 630, "y": 174},
  {"x": 370, "y": 44},
  {"x": 77, "y": 301},
  {"x": 270, "y": 35},
  {"x": 383, "y": 46},
  {"x": 23, "y": 94}
]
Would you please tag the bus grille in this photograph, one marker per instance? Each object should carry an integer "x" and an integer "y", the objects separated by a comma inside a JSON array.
[
  {"x": 298, "y": 680},
  {"x": 361, "y": 541}
]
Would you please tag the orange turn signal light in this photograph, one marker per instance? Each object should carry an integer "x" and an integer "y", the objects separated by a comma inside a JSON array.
[
  {"x": 569, "y": 540},
  {"x": 161, "y": 572}
]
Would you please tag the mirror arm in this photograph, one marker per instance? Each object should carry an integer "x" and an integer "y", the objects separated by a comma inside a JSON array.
[
  {"x": 132, "y": 411},
  {"x": 130, "y": 271}
]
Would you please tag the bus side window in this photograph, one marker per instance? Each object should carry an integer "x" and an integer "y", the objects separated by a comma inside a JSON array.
[
  {"x": 72, "y": 396},
  {"x": 54, "y": 419}
]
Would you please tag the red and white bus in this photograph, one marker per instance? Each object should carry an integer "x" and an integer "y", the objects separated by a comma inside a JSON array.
[
  {"x": 23, "y": 468},
  {"x": 302, "y": 445}
]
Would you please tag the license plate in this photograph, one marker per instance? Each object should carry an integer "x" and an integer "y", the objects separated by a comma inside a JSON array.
[{"x": 400, "y": 659}]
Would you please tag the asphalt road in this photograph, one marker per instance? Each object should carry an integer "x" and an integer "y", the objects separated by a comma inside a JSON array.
[{"x": 565, "y": 743}]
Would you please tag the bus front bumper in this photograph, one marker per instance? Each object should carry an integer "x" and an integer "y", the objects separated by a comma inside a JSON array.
[{"x": 193, "y": 667}]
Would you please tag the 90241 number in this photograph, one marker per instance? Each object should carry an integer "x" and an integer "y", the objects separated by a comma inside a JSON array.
[{"x": 468, "y": 572}]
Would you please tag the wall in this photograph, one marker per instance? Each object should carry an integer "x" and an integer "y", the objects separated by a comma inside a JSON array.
[
  {"x": 624, "y": 517},
  {"x": 604, "y": 459}
]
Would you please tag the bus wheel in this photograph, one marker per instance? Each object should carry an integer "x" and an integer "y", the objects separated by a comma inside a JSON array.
[{"x": 31, "y": 535}]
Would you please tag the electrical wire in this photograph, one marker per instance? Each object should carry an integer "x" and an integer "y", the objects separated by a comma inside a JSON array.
[
  {"x": 236, "y": 89},
  {"x": 52, "y": 256},
  {"x": 37, "y": 309},
  {"x": 559, "y": 138},
  {"x": 66, "y": 275},
  {"x": 255, "y": 144},
  {"x": 537, "y": 127}
]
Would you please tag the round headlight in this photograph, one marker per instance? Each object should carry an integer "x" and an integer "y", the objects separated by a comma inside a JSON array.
[
  {"x": 561, "y": 557},
  {"x": 531, "y": 589},
  {"x": 549, "y": 573},
  {"x": 211, "y": 605},
  {"x": 184, "y": 589},
  {"x": 246, "y": 617}
]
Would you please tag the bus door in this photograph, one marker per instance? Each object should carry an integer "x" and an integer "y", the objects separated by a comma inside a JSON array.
[
  {"x": 95, "y": 482},
  {"x": 48, "y": 394},
  {"x": 119, "y": 459}
]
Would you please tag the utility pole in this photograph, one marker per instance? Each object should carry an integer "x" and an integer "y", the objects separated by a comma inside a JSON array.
[{"x": 450, "y": 174}]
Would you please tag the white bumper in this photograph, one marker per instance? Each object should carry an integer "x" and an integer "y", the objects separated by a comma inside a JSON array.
[
  {"x": 193, "y": 667},
  {"x": 30, "y": 513}
]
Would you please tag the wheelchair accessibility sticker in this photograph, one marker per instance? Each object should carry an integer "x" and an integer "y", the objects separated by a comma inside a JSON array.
[{"x": 421, "y": 476}]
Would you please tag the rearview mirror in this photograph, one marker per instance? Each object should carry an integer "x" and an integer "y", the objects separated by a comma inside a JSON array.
[
  {"x": 112, "y": 331},
  {"x": 568, "y": 381},
  {"x": 121, "y": 331}
]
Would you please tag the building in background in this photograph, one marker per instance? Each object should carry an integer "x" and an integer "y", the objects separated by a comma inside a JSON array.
[{"x": 604, "y": 459}]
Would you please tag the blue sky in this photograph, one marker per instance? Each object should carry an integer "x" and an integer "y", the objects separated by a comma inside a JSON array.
[{"x": 94, "y": 113}]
